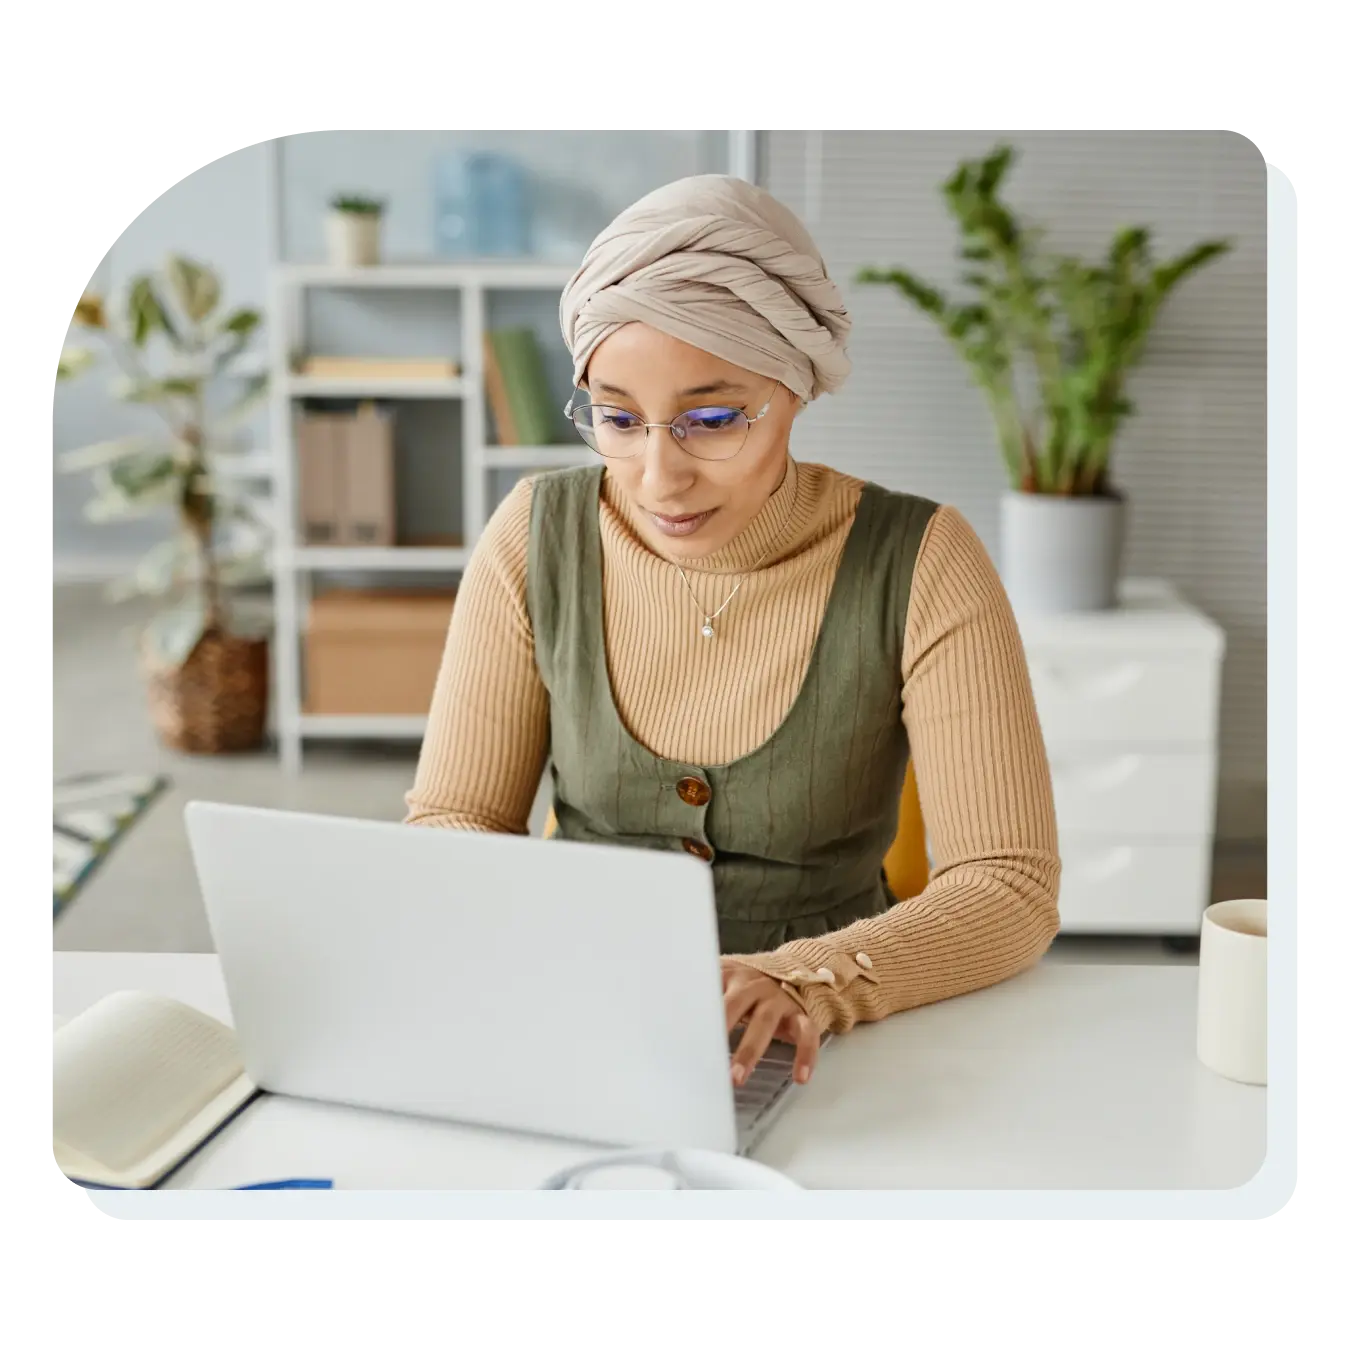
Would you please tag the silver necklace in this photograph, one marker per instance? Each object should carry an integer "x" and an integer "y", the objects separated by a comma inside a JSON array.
[{"x": 707, "y": 630}]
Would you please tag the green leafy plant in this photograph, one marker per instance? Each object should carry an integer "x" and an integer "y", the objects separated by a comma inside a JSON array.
[
  {"x": 200, "y": 400},
  {"x": 1079, "y": 326},
  {"x": 353, "y": 204}
]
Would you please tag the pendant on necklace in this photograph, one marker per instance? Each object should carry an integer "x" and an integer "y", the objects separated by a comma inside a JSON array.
[{"x": 707, "y": 629}]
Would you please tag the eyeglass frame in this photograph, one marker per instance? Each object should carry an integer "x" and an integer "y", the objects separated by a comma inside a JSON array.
[{"x": 570, "y": 407}]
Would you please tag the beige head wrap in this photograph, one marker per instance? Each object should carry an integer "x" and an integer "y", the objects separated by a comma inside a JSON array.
[{"x": 720, "y": 264}]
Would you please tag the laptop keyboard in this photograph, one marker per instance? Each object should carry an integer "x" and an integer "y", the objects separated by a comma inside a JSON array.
[{"x": 761, "y": 1094}]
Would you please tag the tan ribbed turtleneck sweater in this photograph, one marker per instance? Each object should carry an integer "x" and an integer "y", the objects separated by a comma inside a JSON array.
[{"x": 989, "y": 909}]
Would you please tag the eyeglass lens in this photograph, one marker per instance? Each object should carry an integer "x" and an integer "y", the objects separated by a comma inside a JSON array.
[{"x": 616, "y": 433}]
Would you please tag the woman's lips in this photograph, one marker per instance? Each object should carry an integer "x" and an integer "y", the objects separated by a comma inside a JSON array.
[{"x": 676, "y": 526}]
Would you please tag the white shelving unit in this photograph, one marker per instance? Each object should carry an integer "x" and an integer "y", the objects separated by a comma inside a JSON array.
[{"x": 296, "y": 564}]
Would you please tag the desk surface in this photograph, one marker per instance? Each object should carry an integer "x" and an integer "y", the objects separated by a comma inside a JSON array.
[{"x": 1071, "y": 1077}]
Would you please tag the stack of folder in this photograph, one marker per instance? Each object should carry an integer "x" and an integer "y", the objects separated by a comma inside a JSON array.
[{"x": 346, "y": 478}]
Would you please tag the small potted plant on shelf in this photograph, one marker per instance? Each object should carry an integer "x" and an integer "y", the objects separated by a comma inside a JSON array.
[
  {"x": 354, "y": 230},
  {"x": 1070, "y": 331},
  {"x": 205, "y": 664}
]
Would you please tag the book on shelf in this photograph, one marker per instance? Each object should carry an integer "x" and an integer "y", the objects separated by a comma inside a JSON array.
[
  {"x": 346, "y": 477},
  {"x": 379, "y": 368},
  {"x": 524, "y": 402},
  {"x": 503, "y": 423},
  {"x": 139, "y": 1082}
]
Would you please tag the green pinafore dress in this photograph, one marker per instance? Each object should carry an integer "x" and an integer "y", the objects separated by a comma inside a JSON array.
[{"x": 796, "y": 831}]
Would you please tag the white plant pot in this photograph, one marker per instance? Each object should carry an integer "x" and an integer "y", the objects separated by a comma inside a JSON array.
[
  {"x": 353, "y": 239},
  {"x": 1061, "y": 555}
]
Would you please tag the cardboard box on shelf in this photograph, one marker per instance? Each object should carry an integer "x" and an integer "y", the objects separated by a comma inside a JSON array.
[{"x": 375, "y": 652}]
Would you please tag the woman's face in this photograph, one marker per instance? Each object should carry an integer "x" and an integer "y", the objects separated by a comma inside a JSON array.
[{"x": 686, "y": 507}]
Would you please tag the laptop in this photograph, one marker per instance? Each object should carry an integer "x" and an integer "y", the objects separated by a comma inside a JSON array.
[{"x": 557, "y": 988}]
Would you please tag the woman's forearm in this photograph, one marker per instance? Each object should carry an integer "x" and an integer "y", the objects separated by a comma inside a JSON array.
[
  {"x": 972, "y": 926},
  {"x": 487, "y": 734},
  {"x": 990, "y": 908}
]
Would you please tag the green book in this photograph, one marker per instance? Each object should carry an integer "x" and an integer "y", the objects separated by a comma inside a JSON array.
[{"x": 527, "y": 390}]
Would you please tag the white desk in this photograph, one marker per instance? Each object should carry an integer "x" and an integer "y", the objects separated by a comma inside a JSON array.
[{"x": 1074, "y": 1077}]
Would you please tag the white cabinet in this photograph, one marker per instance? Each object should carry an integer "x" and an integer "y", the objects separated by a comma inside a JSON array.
[{"x": 1129, "y": 703}]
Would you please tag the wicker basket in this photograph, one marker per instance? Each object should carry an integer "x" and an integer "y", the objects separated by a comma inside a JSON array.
[{"x": 216, "y": 701}]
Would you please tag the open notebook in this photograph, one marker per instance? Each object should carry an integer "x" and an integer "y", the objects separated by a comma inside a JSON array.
[{"x": 138, "y": 1081}]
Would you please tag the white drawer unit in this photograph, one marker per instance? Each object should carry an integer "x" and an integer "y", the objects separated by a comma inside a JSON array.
[
  {"x": 1106, "y": 697},
  {"x": 1129, "y": 704},
  {"x": 1111, "y": 790},
  {"x": 1111, "y": 886}
]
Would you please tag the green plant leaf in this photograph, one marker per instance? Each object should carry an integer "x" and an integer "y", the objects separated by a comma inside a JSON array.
[
  {"x": 356, "y": 204},
  {"x": 146, "y": 314},
  {"x": 242, "y": 322},
  {"x": 158, "y": 572},
  {"x": 1169, "y": 274},
  {"x": 964, "y": 318},
  {"x": 244, "y": 568},
  {"x": 237, "y": 332},
  {"x": 927, "y": 298},
  {"x": 1131, "y": 243},
  {"x": 991, "y": 170},
  {"x": 101, "y": 453},
  {"x": 133, "y": 487},
  {"x": 173, "y": 635},
  {"x": 73, "y": 361},
  {"x": 135, "y": 477},
  {"x": 107, "y": 508},
  {"x": 195, "y": 287},
  {"x": 134, "y": 390}
]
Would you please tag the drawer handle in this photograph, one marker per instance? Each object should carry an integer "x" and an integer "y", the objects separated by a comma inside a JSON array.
[
  {"x": 1104, "y": 685},
  {"x": 1107, "y": 865},
  {"x": 1099, "y": 777}
]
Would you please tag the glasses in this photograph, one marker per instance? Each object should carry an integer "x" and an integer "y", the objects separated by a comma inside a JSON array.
[{"x": 705, "y": 433}]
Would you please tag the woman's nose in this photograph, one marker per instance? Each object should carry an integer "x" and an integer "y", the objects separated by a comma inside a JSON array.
[{"x": 666, "y": 467}]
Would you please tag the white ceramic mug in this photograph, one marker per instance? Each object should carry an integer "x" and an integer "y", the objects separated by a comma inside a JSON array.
[{"x": 1231, "y": 1022}]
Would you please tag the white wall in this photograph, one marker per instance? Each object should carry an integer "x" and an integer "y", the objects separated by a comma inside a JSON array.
[{"x": 1193, "y": 459}]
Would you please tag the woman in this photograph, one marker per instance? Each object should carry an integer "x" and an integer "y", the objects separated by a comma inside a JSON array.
[{"x": 731, "y": 653}]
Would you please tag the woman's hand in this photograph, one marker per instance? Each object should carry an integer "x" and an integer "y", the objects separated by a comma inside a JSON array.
[{"x": 768, "y": 1014}]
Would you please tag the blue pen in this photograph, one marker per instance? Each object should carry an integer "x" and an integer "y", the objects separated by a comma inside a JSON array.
[{"x": 292, "y": 1184}]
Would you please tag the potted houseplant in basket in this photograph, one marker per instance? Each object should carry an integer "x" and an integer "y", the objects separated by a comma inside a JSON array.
[
  {"x": 1050, "y": 339},
  {"x": 354, "y": 230},
  {"x": 205, "y": 665}
]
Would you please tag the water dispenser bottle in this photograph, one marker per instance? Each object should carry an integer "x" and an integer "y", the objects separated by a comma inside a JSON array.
[{"x": 482, "y": 207}]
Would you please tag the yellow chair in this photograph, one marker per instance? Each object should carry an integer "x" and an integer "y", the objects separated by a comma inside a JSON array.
[{"x": 906, "y": 864}]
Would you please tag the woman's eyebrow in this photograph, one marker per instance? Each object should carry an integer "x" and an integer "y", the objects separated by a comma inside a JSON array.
[{"x": 716, "y": 387}]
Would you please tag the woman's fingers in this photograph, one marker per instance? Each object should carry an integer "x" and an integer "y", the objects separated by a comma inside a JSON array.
[
  {"x": 758, "y": 1033},
  {"x": 757, "y": 1001},
  {"x": 740, "y": 998},
  {"x": 807, "y": 1036}
]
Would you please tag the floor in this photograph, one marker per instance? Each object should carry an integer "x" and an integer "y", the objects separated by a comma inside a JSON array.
[{"x": 144, "y": 897}]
